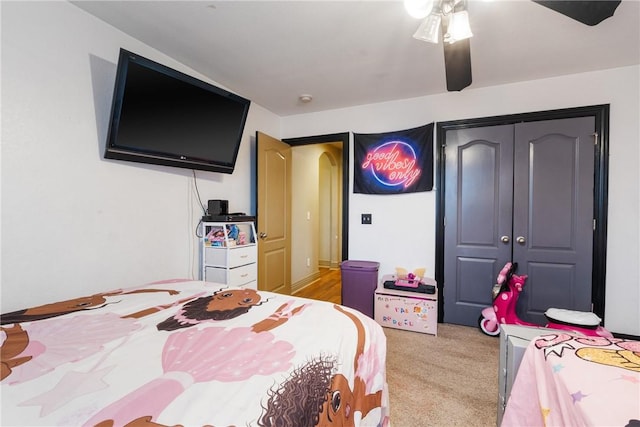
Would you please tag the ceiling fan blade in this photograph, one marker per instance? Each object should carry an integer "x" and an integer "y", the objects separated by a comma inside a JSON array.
[
  {"x": 589, "y": 12},
  {"x": 457, "y": 64}
]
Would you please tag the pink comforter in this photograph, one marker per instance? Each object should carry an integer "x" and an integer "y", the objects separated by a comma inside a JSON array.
[{"x": 566, "y": 380}]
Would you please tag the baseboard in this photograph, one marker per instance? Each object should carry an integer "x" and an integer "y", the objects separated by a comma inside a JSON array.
[
  {"x": 626, "y": 336},
  {"x": 297, "y": 286},
  {"x": 328, "y": 264}
]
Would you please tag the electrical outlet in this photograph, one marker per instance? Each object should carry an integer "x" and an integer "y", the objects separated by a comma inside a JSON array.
[{"x": 366, "y": 218}]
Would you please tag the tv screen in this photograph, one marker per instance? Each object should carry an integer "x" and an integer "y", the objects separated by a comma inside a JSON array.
[{"x": 162, "y": 116}]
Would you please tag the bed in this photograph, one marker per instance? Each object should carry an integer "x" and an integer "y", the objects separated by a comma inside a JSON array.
[
  {"x": 567, "y": 380},
  {"x": 192, "y": 353}
]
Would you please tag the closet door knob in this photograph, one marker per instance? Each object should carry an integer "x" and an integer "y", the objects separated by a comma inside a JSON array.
[
  {"x": 504, "y": 239},
  {"x": 263, "y": 235},
  {"x": 520, "y": 240}
]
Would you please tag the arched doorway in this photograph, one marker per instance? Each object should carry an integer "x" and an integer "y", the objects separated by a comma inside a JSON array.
[{"x": 329, "y": 236}]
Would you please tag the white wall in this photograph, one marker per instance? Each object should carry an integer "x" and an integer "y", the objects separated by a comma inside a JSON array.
[
  {"x": 73, "y": 223},
  {"x": 403, "y": 229},
  {"x": 305, "y": 212}
]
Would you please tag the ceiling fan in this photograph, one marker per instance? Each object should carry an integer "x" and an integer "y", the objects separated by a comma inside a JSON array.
[{"x": 452, "y": 19}]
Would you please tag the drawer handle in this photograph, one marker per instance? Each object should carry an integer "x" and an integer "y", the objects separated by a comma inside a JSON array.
[
  {"x": 244, "y": 275},
  {"x": 244, "y": 256}
]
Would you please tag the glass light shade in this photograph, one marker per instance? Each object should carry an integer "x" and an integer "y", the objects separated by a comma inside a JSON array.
[
  {"x": 418, "y": 8},
  {"x": 429, "y": 29},
  {"x": 459, "y": 28}
]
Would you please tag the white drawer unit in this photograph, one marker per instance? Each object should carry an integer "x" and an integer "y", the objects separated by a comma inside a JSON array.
[
  {"x": 238, "y": 276},
  {"x": 229, "y": 253},
  {"x": 234, "y": 257}
]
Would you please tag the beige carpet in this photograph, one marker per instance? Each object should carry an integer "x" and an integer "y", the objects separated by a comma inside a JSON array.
[{"x": 445, "y": 380}]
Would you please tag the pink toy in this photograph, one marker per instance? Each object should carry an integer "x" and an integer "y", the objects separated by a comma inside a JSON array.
[
  {"x": 409, "y": 280},
  {"x": 505, "y": 299},
  {"x": 242, "y": 238},
  {"x": 215, "y": 237}
]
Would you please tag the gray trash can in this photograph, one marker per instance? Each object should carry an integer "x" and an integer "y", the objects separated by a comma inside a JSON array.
[{"x": 359, "y": 282}]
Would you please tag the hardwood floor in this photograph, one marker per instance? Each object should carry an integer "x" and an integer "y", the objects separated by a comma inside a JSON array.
[{"x": 327, "y": 288}]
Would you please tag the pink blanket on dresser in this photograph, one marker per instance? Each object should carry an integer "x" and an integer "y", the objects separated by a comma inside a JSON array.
[
  {"x": 195, "y": 354},
  {"x": 566, "y": 380}
]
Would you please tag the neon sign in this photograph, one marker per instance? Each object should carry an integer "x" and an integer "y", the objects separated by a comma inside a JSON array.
[{"x": 393, "y": 164}]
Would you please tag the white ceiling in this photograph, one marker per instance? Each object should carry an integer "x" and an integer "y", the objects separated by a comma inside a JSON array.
[{"x": 347, "y": 53}]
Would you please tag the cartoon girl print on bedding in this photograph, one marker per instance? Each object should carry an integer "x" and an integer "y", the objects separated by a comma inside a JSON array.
[
  {"x": 14, "y": 341},
  {"x": 221, "y": 305},
  {"x": 59, "y": 340},
  {"x": 48, "y": 340},
  {"x": 316, "y": 394},
  {"x": 214, "y": 353},
  {"x": 60, "y": 308}
]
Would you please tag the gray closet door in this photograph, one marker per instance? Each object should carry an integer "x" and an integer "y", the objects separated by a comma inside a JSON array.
[
  {"x": 553, "y": 214},
  {"x": 478, "y": 213},
  {"x": 521, "y": 193}
]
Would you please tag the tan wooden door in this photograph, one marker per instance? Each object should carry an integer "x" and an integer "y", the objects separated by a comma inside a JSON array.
[{"x": 274, "y": 214}]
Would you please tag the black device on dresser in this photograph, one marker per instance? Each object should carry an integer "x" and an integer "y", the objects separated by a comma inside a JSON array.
[
  {"x": 218, "y": 207},
  {"x": 218, "y": 210}
]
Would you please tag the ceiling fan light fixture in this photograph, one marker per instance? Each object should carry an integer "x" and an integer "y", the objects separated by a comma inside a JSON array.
[
  {"x": 429, "y": 30},
  {"x": 418, "y": 8},
  {"x": 458, "y": 28}
]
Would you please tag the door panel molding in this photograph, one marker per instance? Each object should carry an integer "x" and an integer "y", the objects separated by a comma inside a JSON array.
[
  {"x": 600, "y": 194},
  {"x": 562, "y": 236},
  {"x": 543, "y": 272},
  {"x": 482, "y": 194}
]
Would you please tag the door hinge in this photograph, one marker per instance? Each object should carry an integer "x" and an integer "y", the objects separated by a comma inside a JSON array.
[
  {"x": 595, "y": 138},
  {"x": 594, "y": 224}
]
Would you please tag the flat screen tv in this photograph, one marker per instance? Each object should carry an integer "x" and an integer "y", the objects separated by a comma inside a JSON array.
[{"x": 165, "y": 117}]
